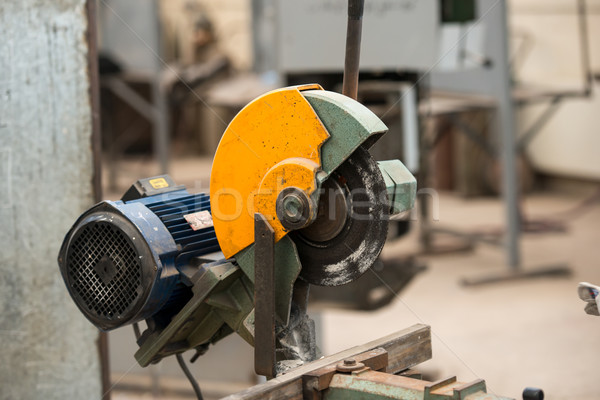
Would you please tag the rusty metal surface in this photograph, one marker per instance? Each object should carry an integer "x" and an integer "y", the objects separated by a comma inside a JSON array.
[
  {"x": 373, "y": 385},
  {"x": 349, "y": 365},
  {"x": 406, "y": 348},
  {"x": 264, "y": 297},
  {"x": 318, "y": 380}
]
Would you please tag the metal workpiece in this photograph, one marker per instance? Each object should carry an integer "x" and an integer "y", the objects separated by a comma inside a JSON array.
[
  {"x": 295, "y": 209},
  {"x": 365, "y": 377},
  {"x": 375, "y": 371},
  {"x": 367, "y": 384},
  {"x": 400, "y": 184},
  {"x": 395, "y": 353}
]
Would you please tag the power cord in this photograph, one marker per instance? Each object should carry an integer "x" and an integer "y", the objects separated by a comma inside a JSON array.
[
  {"x": 189, "y": 375},
  {"x": 182, "y": 364}
]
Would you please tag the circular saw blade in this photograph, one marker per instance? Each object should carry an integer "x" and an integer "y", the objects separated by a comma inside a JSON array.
[{"x": 345, "y": 240}]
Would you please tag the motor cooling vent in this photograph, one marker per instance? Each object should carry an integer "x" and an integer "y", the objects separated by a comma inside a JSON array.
[
  {"x": 104, "y": 271},
  {"x": 120, "y": 260}
]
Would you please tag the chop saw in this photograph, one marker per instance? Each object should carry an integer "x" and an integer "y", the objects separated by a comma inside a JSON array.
[
  {"x": 295, "y": 200},
  {"x": 292, "y": 188}
]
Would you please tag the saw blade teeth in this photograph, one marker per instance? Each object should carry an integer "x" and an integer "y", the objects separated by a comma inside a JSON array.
[{"x": 332, "y": 260}]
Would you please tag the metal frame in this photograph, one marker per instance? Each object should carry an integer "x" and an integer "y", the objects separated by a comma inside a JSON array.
[
  {"x": 155, "y": 111},
  {"x": 125, "y": 16},
  {"x": 509, "y": 150},
  {"x": 403, "y": 96},
  {"x": 510, "y": 147}
]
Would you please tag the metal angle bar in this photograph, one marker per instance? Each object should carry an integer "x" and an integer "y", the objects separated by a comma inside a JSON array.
[
  {"x": 585, "y": 46},
  {"x": 510, "y": 179},
  {"x": 470, "y": 237},
  {"x": 470, "y": 133},
  {"x": 410, "y": 127},
  {"x": 537, "y": 126},
  {"x": 140, "y": 104},
  {"x": 264, "y": 297},
  {"x": 406, "y": 348},
  {"x": 557, "y": 271},
  {"x": 161, "y": 125}
]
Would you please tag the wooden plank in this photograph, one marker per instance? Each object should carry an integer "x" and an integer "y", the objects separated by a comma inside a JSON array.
[{"x": 406, "y": 348}]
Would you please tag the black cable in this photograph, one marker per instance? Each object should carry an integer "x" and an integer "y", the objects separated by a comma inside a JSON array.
[
  {"x": 136, "y": 331},
  {"x": 189, "y": 375},
  {"x": 182, "y": 364}
]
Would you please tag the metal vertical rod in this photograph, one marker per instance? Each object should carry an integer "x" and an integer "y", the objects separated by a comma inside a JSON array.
[
  {"x": 161, "y": 125},
  {"x": 410, "y": 127},
  {"x": 94, "y": 93},
  {"x": 506, "y": 115},
  {"x": 585, "y": 46},
  {"x": 538, "y": 125},
  {"x": 264, "y": 297},
  {"x": 161, "y": 119},
  {"x": 353, "y": 38}
]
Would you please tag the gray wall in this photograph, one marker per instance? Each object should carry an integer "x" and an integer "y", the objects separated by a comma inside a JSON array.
[{"x": 48, "y": 350}]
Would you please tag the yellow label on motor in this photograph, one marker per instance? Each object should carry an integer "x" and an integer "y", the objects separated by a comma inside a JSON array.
[{"x": 158, "y": 183}]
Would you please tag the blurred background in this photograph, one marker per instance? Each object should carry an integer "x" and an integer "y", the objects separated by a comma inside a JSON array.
[{"x": 493, "y": 105}]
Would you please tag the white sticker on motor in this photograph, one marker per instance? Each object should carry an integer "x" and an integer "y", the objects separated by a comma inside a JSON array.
[{"x": 199, "y": 220}]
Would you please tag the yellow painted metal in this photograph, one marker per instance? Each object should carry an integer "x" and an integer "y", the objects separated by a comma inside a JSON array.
[
  {"x": 297, "y": 172},
  {"x": 277, "y": 126}
]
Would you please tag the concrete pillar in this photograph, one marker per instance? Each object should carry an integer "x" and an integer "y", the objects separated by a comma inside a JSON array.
[{"x": 48, "y": 349}]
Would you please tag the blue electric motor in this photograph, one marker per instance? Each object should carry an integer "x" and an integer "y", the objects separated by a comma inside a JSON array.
[{"x": 122, "y": 260}]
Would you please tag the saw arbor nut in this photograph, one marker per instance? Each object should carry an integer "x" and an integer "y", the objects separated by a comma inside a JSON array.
[{"x": 295, "y": 209}]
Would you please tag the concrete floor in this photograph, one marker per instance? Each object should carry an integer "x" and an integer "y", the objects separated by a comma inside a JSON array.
[{"x": 513, "y": 335}]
